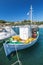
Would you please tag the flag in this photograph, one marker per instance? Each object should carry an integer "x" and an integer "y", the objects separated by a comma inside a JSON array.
[{"x": 28, "y": 13}]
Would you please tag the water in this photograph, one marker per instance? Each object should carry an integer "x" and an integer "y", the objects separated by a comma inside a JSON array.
[
  {"x": 34, "y": 55},
  {"x": 29, "y": 56}
]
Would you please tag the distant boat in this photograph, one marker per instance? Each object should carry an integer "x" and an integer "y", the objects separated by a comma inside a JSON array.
[{"x": 6, "y": 32}]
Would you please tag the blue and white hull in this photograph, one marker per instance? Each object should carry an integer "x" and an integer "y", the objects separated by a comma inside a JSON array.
[{"x": 11, "y": 47}]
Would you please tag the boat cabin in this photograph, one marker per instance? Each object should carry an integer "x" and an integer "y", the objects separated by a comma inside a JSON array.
[{"x": 25, "y": 32}]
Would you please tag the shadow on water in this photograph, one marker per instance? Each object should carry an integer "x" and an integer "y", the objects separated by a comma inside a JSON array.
[{"x": 12, "y": 54}]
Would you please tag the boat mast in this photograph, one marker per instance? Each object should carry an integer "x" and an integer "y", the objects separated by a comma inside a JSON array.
[{"x": 31, "y": 14}]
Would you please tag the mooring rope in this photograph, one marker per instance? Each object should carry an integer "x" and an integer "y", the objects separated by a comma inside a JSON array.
[
  {"x": 18, "y": 61},
  {"x": 1, "y": 48},
  {"x": 17, "y": 56}
]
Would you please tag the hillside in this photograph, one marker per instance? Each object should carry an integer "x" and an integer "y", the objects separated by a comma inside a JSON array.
[{"x": 24, "y": 22}]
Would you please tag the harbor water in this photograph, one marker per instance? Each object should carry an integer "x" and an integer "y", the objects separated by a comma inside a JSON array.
[{"x": 29, "y": 56}]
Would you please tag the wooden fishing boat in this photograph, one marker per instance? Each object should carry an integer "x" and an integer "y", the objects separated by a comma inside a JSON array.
[
  {"x": 9, "y": 45},
  {"x": 21, "y": 42}
]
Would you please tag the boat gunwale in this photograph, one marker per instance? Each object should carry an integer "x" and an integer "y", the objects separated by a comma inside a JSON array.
[{"x": 24, "y": 43}]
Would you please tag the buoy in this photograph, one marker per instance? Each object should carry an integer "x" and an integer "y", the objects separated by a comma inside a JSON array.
[{"x": 34, "y": 35}]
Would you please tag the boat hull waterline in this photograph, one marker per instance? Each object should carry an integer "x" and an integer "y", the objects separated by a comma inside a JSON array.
[{"x": 11, "y": 47}]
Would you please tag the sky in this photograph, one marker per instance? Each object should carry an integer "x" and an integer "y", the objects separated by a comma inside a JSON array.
[{"x": 16, "y": 10}]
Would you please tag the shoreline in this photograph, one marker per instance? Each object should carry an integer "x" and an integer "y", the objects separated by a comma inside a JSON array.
[{"x": 40, "y": 26}]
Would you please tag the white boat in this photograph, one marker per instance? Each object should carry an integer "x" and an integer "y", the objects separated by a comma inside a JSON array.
[
  {"x": 10, "y": 46},
  {"x": 6, "y": 32}
]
